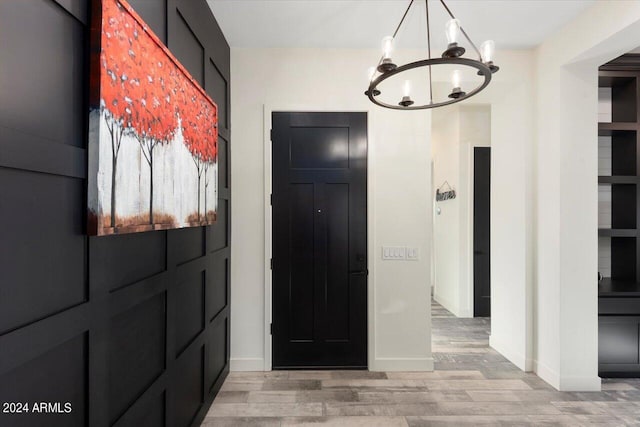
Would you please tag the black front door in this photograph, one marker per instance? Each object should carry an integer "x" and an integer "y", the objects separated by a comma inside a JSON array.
[
  {"x": 319, "y": 240},
  {"x": 482, "y": 231}
]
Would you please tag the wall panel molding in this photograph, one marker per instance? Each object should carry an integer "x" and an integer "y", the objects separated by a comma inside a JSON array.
[
  {"x": 34, "y": 154},
  {"x": 99, "y": 307}
]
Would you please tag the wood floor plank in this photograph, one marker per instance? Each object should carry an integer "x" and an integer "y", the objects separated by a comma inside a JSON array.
[
  {"x": 276, "y": 384},
  {"x": 412, "y": 396},
  {"x": 266, "y": 410},
  {"x": 387, "y": 384},
  {"x": 241, "y": 421},
  {"x": 232, "y": 397},
  {"x": 346, "y": 422},
  {"x": 520, "y": 396},
  {"x": 377, "y": 410},
  {"x": 443, "y": 375},
  {"x": 492, "y": 420},
  {"x": 477, "y": 385},
  {"x": 497, "y": 408}
]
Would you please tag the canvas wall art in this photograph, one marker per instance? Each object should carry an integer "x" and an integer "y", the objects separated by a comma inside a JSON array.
[{"x": 153, "y": 132}]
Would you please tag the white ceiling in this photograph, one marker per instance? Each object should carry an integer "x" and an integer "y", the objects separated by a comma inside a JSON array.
[{"x": 512, "y": 24}]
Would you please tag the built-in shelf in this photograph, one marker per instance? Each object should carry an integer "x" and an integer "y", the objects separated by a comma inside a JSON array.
[
  {"x": 619, "y": 294},
  {"x": 618, "y": 288},
  {"x": 610, "y": 78},
  {"x": 618, "y": 179},
  {"x": 617, "y": 232},
  {"x": 608, "y": 129}
]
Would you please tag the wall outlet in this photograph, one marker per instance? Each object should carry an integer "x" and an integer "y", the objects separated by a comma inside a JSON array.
[{"x": 394, "y": 253}]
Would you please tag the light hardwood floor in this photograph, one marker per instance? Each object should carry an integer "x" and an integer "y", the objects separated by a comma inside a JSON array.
[{"x": 472, "y": 385}]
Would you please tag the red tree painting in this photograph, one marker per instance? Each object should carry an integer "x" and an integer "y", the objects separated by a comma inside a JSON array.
[{"x": 151, "y": 111}]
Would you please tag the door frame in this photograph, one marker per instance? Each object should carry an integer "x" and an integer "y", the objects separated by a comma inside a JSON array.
[
  {"x": 466, "y": 195},
  {"x": 268, "y": 109}
]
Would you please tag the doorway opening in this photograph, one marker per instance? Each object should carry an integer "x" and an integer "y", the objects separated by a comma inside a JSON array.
[{"x": 461, "y": 280}]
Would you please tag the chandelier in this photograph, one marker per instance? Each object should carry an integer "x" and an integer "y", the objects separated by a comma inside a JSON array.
[{"x": 452, "y": 56}]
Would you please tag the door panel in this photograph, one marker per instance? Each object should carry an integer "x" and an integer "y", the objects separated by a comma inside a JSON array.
[
  {"x": 482, "y": 231},
  {"x": 319, "y": 148},
  {"x": 319, "y": 240},
  {"x": 337, "y": 294},
  {"x": 301, "y": 255}
]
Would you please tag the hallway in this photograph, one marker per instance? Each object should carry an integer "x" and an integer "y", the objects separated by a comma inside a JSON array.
[{"x": 472, "y": 385}]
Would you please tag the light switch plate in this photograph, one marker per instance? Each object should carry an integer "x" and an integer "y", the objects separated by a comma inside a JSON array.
[
  {"x": 394, "y": 253},
  {"x": 413, "y": 254}
]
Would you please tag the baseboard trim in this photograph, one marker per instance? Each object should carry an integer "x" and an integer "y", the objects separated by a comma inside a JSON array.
[
  {"x": 446, "y": 303},
  {"x": 247, "y": 364},
  {"x": 580, "y": 384},
  {"x": 507, "y": 351},
  {"x": 561, "y": 383},
  {"x": 465, "y": 313},
  {"x": 547, "y": 374},
  {"x": 418, "y": 364}
]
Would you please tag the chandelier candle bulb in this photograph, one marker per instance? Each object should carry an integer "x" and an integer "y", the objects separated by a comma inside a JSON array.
[
  {"x": 455, "y": 82},
  {"x": 371, "y": 73},
  {"x": 453, "y": 30},
  {"x": 486, "y": 49},
  {"x": 455, "y": 79},
  {"x": 406, "y": 89},
  {"x": 387, "y": 64},
  {"x": 387, "y": 47}
]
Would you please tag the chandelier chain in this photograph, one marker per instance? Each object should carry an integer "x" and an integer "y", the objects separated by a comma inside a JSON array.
[
  {"x": 395, "y": 33},
  {"x": 426, "y": 4}
]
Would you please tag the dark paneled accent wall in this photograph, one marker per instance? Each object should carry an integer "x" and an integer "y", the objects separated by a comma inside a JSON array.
[{"x": 131, "y": 330}]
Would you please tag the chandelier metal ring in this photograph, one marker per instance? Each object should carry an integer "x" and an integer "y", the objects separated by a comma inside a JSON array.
[{"x": 483, "y": 70}]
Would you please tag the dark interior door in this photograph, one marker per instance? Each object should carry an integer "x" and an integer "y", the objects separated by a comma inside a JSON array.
[
  {"x": 482, "y": 231},
  {"x": 319, "y": 240}
]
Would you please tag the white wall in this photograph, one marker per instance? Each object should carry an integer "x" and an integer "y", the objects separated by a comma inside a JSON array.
[
  {"x": 398, "y": 203},
  {"x": 455, "y": 131},
  {"x": 445, "y": 149},
  {"x": 566, "y": 170}
]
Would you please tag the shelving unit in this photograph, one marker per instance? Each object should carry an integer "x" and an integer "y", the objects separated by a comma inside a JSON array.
[{"x": 619, "y": 219}]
